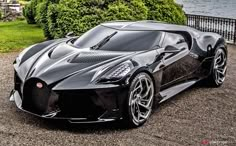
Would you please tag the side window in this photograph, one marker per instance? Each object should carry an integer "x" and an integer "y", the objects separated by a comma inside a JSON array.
[{"x": 173, "y": 39}]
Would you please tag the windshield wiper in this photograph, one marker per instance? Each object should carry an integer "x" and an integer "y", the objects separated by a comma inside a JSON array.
[{"x": 103, "y": 41}]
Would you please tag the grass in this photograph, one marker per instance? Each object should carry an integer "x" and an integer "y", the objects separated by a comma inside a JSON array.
[{"x": 16, "y": 35}]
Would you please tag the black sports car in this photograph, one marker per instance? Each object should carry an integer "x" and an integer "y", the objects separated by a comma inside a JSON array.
[{"x": 117, "y": 70}]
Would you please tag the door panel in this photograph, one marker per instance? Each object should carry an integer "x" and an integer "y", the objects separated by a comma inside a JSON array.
[
  {"x": 177, "y": 71},
  {"x": 177, "y": 65}
]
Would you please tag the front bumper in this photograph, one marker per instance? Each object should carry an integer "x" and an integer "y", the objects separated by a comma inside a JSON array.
[{"x": 108, "y": 105}]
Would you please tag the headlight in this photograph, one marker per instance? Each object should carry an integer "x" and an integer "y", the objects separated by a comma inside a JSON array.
[
  {"x": 16, "y": 60},
  {"x": 118, "y": 72}
]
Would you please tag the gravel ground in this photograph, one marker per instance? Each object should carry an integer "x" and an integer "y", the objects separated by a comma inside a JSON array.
[{"x": 193, "y": 116}]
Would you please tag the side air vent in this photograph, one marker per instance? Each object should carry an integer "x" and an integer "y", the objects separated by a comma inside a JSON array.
[
  {"x": 50, "y": 52},
  {"x": 60, "y": 51}
]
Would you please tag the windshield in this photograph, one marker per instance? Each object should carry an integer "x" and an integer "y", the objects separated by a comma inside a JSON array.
[{"x": 120, "y": 40}]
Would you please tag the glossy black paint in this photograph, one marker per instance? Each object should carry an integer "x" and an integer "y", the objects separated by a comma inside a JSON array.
[{"x": 71, "y": 77}]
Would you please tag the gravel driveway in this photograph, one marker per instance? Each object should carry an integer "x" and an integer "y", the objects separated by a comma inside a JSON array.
[{"x": 197, "y": 115}]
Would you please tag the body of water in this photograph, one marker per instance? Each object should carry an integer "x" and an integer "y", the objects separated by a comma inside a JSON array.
[{"x": 218, "y": 8}]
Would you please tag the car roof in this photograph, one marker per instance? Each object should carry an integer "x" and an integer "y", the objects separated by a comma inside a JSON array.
[{"x": 149, "y": 25}]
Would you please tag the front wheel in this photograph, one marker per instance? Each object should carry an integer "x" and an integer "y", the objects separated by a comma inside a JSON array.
[
  {"x": 219, "y": 68},
  {"x": 140, "y": 100}
]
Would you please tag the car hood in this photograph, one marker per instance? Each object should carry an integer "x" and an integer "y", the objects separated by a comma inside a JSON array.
[{"x": 62, "y": 61}]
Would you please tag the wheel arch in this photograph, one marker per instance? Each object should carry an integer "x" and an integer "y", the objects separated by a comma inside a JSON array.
[
  {"x": 155, "y": 78},
  {"x": 126, "y": 112},
  {"x": 220, "y": 43},
  {"x": 209, "y": 42},
  {"x": 140, "y": 70}
]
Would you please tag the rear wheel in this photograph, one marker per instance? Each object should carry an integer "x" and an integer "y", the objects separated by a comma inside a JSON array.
[
  {"x": 219, "y": 68},
  {"x": 140, "y": 100}
]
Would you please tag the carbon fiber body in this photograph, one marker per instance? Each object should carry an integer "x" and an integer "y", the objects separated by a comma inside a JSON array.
[{"x": 57, "y": 79}]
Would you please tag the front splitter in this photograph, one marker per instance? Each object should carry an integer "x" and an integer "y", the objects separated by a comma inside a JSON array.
[{"x": 15, "y": 97}]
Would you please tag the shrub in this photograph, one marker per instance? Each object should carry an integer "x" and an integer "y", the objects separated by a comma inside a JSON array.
[
  {"x": 29, "y": 11},
  {"x": 42, "y": 16},
  {"x": 167, "y": 11},
  {"x": 132, "y": 10},
  {"x": 81, "y": 15},
  {"x": 52, "y": 15},
  {"x": 28, "y": 14},
  {"x": 58, "y": 17},
  {"x": 1, "y": 14},
  {"x": 78, "y": 16}
]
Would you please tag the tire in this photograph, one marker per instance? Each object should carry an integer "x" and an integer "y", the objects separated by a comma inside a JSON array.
[
  {"x": 218, "y": 69},
  {"x": 140, "y": 100}
]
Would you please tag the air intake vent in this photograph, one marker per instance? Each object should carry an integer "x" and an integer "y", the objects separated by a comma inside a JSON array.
[{"x": 88, "y": 57}]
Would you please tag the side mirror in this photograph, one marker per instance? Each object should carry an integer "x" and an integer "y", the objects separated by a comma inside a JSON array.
[
  {"x": 70, "y": 34},
  {"x": 171, "y": 49}
]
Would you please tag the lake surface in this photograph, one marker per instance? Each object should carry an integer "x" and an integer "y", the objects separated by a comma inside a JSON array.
[{"x": 218, "y": 8}]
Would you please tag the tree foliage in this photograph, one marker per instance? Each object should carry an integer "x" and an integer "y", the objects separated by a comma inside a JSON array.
[
  {"x": 167, "y": 11},
  {"x": 1, "y": 14},
  {"x": 29, "y": 11},
  {"x": 58, "y": 17}
]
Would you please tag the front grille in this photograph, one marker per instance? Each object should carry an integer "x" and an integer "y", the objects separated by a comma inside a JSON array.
[
  {"x": 81, "y": 104},
  {"x": 72, "y": 104},
  {"x": 39, "y": 100}
]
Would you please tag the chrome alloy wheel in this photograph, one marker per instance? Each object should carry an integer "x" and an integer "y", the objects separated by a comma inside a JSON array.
[
  {"x": 220, "y": 66},
  {"x": 141, "y": 99}
]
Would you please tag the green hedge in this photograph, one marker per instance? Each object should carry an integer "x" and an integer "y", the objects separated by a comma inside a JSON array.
[
  {"x": 167, "y": 11},
  {"x": 0, "y": 14},
  {"x": 81, "y": 15},
  {"x": 58, "y": 17},
  {"x": 28, "y": 14},
  {"x": 52, "y": 15},
  {"x": 29, "y": 11},
  {"x": 41, "y": 17}
]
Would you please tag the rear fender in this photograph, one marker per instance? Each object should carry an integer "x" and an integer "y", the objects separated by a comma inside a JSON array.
[{"x": 210, "y": 41}]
